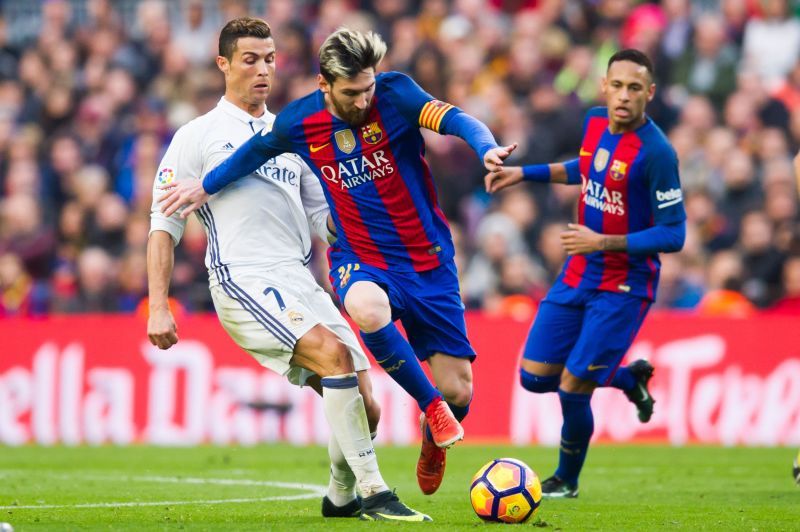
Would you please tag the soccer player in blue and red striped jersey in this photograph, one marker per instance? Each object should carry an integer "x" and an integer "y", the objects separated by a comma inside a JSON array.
[
  {"x": 393, "y": 258},
  {"x": 630, "y": 209}
]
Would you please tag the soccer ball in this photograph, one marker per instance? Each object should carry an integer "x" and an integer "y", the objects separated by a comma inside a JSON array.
[
  {"x": 505, "y": 490},
  {"x": 796, "y": 468}
]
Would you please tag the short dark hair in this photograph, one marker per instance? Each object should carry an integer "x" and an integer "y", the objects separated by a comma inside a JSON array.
[
  {"x": 634, "y": 56},
  {"x": 238, "y": 28}
]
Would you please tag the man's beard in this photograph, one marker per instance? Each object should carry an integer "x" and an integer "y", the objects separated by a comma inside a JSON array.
[{"x": 356, "y": 117}]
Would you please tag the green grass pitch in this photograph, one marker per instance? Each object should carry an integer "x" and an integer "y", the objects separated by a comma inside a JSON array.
[{"x": 277, "y": 488}]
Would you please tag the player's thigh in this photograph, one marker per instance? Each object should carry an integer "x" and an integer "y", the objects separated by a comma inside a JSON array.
[
  {"x": 368, "y": 294},
  {"x": 552, "y": 336},
  {"x": 266, "y": 326},
  {"x": 330, "y": 317},
  {"x": 610, "y": 326},
  {"x": 434, "y": 318}
]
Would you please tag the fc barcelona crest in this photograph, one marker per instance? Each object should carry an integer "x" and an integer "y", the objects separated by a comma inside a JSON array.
[
  {"x": 601, "y": 159},
  {"x": 345, "y": 140},
  {"x": 618, "y": 170},
  {"x": 372, "y": 133}
]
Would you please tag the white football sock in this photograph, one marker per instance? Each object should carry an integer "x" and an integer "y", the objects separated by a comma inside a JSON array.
[
  {"x": 344, "y": 408},
  {"x": 342, "y": 485}
]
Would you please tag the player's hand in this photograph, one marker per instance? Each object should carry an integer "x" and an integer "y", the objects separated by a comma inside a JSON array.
[
  {"x": 503, "y": 178},
  {"x": 580, "y": 240},
  {"x": 493, "y": 159},
  {"x": 187, "y": 193},
  {"x": 161, "y": 329}
]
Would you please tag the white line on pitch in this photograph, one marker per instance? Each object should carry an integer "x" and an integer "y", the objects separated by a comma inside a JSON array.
[{"x": 315, "y": 490}]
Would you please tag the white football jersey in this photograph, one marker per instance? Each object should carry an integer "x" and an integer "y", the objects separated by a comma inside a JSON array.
[{"x": 257, "y": 223}]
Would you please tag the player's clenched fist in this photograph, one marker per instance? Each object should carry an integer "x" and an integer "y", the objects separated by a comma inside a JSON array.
[{"x": 161, "y": 329}]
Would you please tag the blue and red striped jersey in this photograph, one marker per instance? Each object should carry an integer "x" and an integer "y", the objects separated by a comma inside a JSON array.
[
  {"x": 380, "y": 189},
  {"x": 629, "y": 183}
]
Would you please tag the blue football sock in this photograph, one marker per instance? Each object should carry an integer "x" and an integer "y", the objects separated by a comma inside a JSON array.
[
  {"x": 460, "y": 412},
  {"x": 575, "y": 435},
  {"x": 395, "y": 355},
  {"x": 623, "y": 379},
  {"x": 538, "y": 384}
]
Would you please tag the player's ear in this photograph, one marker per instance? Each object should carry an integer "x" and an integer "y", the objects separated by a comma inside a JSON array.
[
  {"x": 223, "y": 64},
  {"x": 603, "y": 84},
  {"x": 651, "y": 92},
  {"x": 323, "y": 84}
]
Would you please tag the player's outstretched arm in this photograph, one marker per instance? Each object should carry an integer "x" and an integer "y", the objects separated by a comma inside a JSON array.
[
  {"x": 567, "y": 173},
  {"x": 161, "y": 328}
]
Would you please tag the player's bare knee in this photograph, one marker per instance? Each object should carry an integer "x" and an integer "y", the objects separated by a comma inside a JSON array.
[
  {"x": 373, "y": 318},
  {"x": 333, "y": 357},
  {"x": 572, "y": 384},
  {"x": 369, "y": 306},
  {"x": 457, "y": 391}
]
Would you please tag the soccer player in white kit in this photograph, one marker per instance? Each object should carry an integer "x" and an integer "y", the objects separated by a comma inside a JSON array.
[{"x": 258, "y": 250}]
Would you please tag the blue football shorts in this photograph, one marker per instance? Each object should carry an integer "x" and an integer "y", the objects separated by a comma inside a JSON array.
[
  {"x": 428, "y": 304},
  {"x": 588, "y": 331}
]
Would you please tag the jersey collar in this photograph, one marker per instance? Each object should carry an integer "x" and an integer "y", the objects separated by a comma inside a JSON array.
[{"x": 256, "y": 124}]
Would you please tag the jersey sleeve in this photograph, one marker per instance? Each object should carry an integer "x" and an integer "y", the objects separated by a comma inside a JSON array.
[
  {"x": 666, "y": 197},
  {"x": 314, "y": 203},
  {"x": 261, "y": 147},
  {"x": 416, "y": 105},
  {"x": 181, "y": 161}
]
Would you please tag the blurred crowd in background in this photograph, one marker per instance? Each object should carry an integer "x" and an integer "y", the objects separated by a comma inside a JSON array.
[{"x": 91, "y": 92}]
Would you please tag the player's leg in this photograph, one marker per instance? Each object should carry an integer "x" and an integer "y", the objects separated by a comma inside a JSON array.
[
  {"x": 341, "y": 500},
  {"x": 323, "y": 353},
  {"x": 434, "y": 322},
  {"x": 614, "y": 318},
  {"x": 551, "y": 338},
  {"x": 364, "y": 293},
  {"x": 634, "y": 378},
  {"x": 279, "y": 331}
]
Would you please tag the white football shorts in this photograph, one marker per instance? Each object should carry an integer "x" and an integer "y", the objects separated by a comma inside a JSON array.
[{"x": 267, "y": 313}]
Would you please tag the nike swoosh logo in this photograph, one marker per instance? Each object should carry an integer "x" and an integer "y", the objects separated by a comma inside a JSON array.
[
  {"x": 644, "y": 392},
  {"x": 593, "y": 367},
  {"x": 585, "y": 153},
  {"x": 315, "y": 149}
]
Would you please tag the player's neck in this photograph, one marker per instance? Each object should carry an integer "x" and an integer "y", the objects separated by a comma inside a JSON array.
[
  {"x": 615, "y": 128},
  {"x": 256, "y": 110},
  {"x": 330, "y": 107}
]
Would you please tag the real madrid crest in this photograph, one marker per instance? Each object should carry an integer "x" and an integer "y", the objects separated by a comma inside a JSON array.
[
  {"x": 601, "y": 159},
  {"x": 345, "y": 140}
]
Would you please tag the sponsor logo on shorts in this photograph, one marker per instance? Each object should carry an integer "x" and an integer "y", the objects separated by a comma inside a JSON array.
[{"x": 595, "y": 367}]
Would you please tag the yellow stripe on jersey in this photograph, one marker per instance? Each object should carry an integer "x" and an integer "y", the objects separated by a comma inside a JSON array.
[{"x": 430, "y": 117}]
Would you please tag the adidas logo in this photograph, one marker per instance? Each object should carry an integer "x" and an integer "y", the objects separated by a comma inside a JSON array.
[{"x": 228, "y": 146}]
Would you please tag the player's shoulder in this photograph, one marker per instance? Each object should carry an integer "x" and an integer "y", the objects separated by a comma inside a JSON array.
[
  {"x": 395, "y": 83},
  {"x": 297, "y": 110},
  {"x": 200, "y": 126},
  {"x": 597, "y": 112},
  {"x": 655, "y": 141}
]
